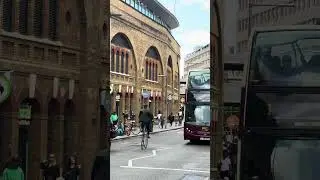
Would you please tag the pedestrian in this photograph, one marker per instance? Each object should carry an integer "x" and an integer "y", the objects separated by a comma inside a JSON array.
[
  {"x": 72, "y": 169},
  {"x": 159, "y": 119},
  {"x": 114, "y": 118},
  {"x": 171, "y": 118},
  {"x": 224, "y": 166},
  {"x": 180, "y": 114},
  {"x": 50, "y": 168},
  {"x": 13, "y": 170}
]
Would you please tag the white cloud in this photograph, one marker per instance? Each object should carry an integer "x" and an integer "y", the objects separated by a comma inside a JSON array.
[{"x": 204, "y": 3}]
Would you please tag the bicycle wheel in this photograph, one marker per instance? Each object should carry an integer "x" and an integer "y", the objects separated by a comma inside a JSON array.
[
  {"x": 144, "y": 140},
  {"x": 134, "y": 131},
  {"x": 128, "y": 131}
]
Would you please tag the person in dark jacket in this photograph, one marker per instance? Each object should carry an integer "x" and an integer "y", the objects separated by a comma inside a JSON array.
[
  {"x": 171, "y": 118},
  {"x": 72, "y": 169},
  {"x": 145, "y": 118},
  {"x": 51, "y": 170}
]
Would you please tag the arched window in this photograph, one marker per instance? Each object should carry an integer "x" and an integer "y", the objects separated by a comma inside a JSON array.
[
  {"x": 53, "y": 17},
  {"x": 23, "y": 16},
  {"x": 136, "y": 6},
  {"x": 146, "y": 70},
  {"x": 132, "y": 3},
  {"x": 156, "y": 72},
  {"x": 7, "y": 15},
  {"x": 117, "y": 62},
  {"x": 122, "y": 62},
  {"x": 150, "y": 70},
  {"x": 38, "y": 18},
  {"x": 112, "y": 59},
  {"x": 127, "y": 63}
]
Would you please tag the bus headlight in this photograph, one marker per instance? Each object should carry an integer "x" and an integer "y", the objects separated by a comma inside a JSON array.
[{"x": 188, "y": 130}]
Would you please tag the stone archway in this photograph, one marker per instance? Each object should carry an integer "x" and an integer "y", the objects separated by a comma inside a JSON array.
[
  {"x": 122, "y": 58},
  {"x": 152, "y": 64},
  {"x": 170, "y": 71},
  {"x": 154, "y": 77},
  {"x": 29, "y": 140}
]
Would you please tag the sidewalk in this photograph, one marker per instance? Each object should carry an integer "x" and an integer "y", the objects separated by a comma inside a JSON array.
[{"x": 156, "y": 129}]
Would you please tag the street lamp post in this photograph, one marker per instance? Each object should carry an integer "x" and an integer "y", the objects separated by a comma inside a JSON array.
[
  {"x": 251, "y": 5},
  {"x": 216, "y": 69}
]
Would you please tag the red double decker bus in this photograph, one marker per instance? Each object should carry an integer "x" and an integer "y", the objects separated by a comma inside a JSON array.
[{"x": 197, "y": 106}]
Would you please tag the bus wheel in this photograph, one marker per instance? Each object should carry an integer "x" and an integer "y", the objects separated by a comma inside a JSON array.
[{"x": 193, "y": 141}]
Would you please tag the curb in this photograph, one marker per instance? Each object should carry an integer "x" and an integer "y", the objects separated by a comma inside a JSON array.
[{"x": 165, "y": 130}]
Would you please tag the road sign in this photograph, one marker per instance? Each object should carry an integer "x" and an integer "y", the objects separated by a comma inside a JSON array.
[
  {"x": 117, "y": 97},
  {"x": 233, "y": 121},
  {"x": 24, "y": 115}
]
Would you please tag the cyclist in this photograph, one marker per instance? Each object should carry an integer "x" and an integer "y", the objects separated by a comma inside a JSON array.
[{"x": 145, "y": 118}]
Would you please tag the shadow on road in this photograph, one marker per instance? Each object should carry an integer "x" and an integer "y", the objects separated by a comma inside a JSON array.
[{"x": 198, "y": 143}]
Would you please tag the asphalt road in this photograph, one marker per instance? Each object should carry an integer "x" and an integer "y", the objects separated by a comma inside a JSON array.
[{"x": 168, "y": 157}]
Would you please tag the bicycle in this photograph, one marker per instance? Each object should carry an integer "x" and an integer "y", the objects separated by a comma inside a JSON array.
[
  {"x": 144, "y": 139},
  {"x": 130, "y": 128}
]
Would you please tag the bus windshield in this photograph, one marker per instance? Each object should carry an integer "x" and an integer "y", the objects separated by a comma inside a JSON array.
[
  {"x": 199, "y": 114},
  {"x": 296, "y": 160},
  {"x": 199, "y": 79},
  {"x": 286, "y": 58}
]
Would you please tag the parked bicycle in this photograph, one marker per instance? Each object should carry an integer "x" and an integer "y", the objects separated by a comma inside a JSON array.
[{"x": 131, "y": 128}]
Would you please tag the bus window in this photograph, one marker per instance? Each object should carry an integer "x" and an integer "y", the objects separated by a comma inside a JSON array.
[
  {"x": 200, "y": 114},
  {"x": 296, "y": 160},
  {"x": 286, "y": 58},
  {"x": 199, "y": 80}
]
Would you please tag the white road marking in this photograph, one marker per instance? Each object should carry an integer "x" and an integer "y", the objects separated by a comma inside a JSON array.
[
  {"x": 168, "y": 169},
  {"x": 154, "y": 153}
]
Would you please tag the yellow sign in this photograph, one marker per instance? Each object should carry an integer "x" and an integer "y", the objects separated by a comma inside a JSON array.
[
  {"x": 233, "y": 121},
  {"x": 205, "y": 128}
]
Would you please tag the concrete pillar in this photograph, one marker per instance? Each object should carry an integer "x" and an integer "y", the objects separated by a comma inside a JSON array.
[
  {"x": 136, "y": 102},
  {"x": 37, "y": 145},
  {"x": 113, "y": 101},
  {"x": 123, "y": 103},
  {"x": 129, "y": 101},
  {"x": 16, "y": 8},
  {"x": 45, "y": 18},
  {"x": 30, "y": 17}
]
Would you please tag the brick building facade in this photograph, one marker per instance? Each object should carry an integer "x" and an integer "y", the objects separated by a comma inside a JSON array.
[
  {"x": 58, "y": 52},
  {"x": 55, "y": 66},
  {"x": 145, "y": 50}
]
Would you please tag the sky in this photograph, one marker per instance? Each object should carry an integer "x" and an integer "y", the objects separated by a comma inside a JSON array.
[{"x": 194, "y": 20}]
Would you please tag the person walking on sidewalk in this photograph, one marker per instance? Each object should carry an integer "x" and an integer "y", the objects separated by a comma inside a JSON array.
[
  {"x": 160, "y": 119},
  {"x": 180, "y": 114},
  {"x": 72, "y": 170},
  {"x": 51, "y": 171},
  {"x": 171, "y": 118},
  {"x": 145, "y": 118},
  {"x": 225, "y": 165},
  {"x": 13, "y": 170}
]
